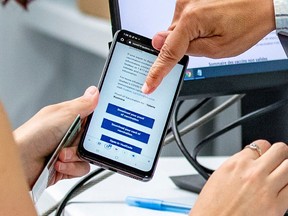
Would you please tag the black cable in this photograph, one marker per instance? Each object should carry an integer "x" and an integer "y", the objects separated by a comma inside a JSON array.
[
  {"x": 75, "y": 188},
  {"x": 181, "y": 145},
  {"x": 179, "y": 141},
  {"x": 190, "y": 112},
  {"x": 234, "y": 124},
  {"x": 205, "y": 118},
  {"x": 205, "y": 172}
]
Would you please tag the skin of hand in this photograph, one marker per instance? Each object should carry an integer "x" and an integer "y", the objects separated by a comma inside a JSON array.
[
  {"x": 40, "y": 135},
  {"x": 248, "y": 185},
  {"x": 210, "y": 28}
]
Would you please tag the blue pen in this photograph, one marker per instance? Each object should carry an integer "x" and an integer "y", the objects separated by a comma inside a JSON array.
[{"x": 157, "y": 204}]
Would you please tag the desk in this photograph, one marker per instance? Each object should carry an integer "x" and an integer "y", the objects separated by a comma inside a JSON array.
[{"x": 107, "y": 197}]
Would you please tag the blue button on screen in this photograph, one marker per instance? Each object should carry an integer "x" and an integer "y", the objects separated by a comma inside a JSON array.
[
  {"x": 121, "y": 144},
  {"x": 125, "y": 131},
  {"x": 130, "y": 115}
]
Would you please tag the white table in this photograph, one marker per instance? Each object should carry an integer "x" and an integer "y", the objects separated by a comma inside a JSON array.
[{"x": 107, "y": 198}]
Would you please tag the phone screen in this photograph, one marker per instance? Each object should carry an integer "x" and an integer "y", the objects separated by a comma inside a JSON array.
[{"x": 127, "y": 128}]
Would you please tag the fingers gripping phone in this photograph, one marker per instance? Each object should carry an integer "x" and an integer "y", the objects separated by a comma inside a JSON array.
[{"x": 127, "y": 128}]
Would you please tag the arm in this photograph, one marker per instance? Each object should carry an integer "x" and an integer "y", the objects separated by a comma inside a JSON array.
[
  {"x": 14, "y": 196},
  {"x": 215, "y": 29},
  {"x": 39, "y": 136}
]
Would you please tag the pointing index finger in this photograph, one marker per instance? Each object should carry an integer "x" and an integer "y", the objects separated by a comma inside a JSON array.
[{"x": 172, "y": 51}]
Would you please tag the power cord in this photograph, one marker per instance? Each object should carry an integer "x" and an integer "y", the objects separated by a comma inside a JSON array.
[
  {"x": 78, "y": 188},
  {"x": 234, "y": 124},
  {"x": 190, "y": 112},
  {"x": 181, "y": 145},
  {"x": 201, "y": 121},
  {"x": 206, "y": 118},
  {"x": 192, "y": 158}
]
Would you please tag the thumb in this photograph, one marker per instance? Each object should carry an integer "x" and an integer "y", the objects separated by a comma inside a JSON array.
[
  {"x": 173, "y": 49},
  {"x": 159, "y": 39},
  {"x": 86, "y": 104}
]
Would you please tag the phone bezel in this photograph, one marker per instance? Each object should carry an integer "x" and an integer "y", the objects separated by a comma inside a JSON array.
[{"x": 114, "y": 165}]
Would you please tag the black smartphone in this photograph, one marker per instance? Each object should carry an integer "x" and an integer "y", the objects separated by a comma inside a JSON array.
[{"x": 126, "y": 130}]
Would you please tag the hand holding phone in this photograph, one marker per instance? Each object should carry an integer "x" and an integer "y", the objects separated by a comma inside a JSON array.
[
  {"x": 48, "y": 173},
  {"x": 126, "y": 130}
]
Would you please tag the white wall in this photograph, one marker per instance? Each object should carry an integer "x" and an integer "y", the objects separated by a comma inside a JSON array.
[{"x": 36, "y": 70}]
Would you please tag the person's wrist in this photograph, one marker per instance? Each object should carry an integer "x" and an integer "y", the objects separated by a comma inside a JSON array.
[
  {"x": 26, "y": 155},
  {"x": 281, "y": 16},
  {"x": 268, "y": 15},
  {"x": 263, "y": 21},
  {"x": 21, "y": 141}
]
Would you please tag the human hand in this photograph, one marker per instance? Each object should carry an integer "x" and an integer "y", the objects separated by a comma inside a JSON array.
[
  {"x": 39, "y": 137},
  {"x": 248, "y": 184},
  {"x": 211, "y": 28}
]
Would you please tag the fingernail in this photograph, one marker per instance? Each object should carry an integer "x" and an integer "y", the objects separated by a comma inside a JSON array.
[
  {"x": 158, "y": 41},
  {"x": 62, "y": 166},
  {"x": 90, "y": 91},
  {"x": 145, "y": 88},
  {"x": 68, "y": 154}
]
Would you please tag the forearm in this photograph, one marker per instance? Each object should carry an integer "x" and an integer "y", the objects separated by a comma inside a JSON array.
[{"x": 14, "y": 191}]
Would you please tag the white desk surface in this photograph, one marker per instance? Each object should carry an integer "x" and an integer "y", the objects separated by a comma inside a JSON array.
[{"x": 107, "y": 197}]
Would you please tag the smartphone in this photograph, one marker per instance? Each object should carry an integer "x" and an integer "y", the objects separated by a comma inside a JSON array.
[{"x": 126, "y": 130}]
